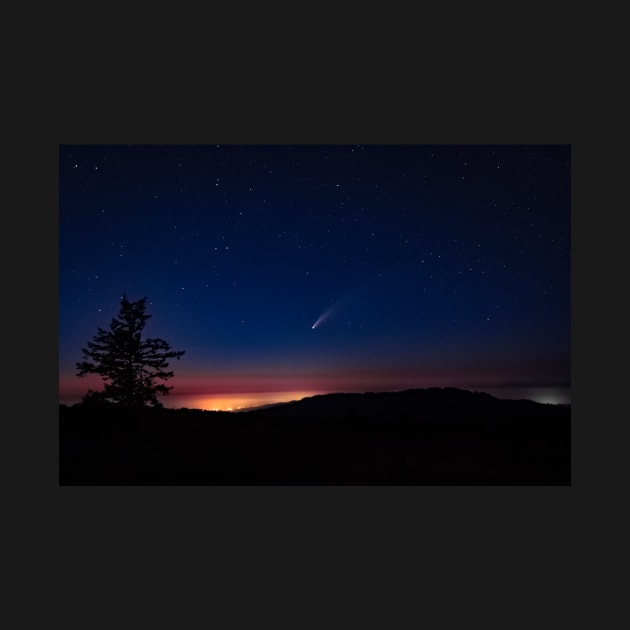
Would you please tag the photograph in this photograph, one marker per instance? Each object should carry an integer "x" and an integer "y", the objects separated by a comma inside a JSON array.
[{"x": 314, "y": 314}]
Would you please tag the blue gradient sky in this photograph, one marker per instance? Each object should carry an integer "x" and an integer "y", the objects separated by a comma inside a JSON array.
[{"x": 428, "y": 265}]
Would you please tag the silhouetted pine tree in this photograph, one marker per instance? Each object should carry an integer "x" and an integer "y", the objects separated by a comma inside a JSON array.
[{"x": 129, "y": 365}]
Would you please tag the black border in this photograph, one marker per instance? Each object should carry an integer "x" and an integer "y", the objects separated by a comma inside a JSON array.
[{"x": 427, "y": 93}]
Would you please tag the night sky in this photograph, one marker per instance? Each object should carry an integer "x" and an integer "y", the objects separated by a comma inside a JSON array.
[{"x": 285, "y": 271}]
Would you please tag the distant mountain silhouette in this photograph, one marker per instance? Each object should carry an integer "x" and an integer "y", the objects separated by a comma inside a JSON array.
[{"x": 434, "y": 402}]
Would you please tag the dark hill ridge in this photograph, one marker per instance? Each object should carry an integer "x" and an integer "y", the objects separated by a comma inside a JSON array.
[
  {"x": 415, "y": 437},
  {"x": 434, "y": 402}
]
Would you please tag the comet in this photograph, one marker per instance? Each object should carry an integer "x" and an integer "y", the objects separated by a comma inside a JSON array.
[
  {"x": 340, "y": 304},
  {"x": 326, "y": 315}
]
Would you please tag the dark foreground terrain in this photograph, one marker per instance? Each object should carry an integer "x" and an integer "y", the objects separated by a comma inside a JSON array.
[{"x": 417, "y": 437}]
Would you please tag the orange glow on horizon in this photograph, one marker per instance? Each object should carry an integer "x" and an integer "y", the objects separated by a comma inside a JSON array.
[
  {"x": 241, "y": 391},
  {"x": 234, "y": 402}
]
